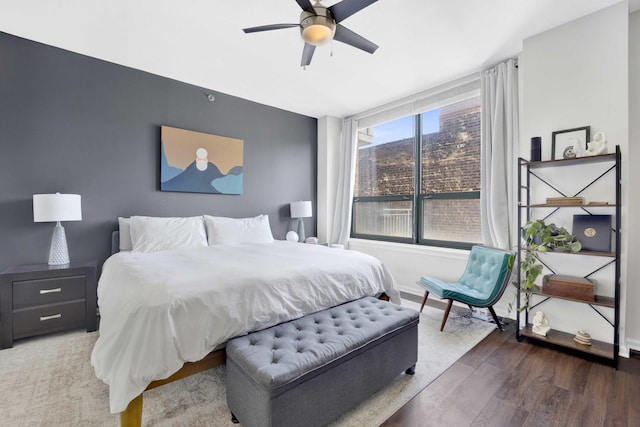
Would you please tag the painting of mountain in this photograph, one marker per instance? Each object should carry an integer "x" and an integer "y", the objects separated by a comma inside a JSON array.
[{"x": 197, "y": 162}]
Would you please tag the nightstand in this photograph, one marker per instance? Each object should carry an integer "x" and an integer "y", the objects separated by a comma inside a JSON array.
[{"x": 40, "y": 299}]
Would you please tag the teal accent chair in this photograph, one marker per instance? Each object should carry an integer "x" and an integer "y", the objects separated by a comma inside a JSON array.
[{"x": 482, "y": 284}]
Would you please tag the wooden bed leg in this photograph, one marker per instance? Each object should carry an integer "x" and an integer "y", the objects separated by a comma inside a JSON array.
[{"x": 132, "y": 416}]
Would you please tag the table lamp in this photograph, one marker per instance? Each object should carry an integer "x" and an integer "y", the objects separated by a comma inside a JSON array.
[
  {"x": 301, "y": 210},
  {"x": 55, "y": 208}
]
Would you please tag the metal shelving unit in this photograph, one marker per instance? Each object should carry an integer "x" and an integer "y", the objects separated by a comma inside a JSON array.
[{"x": 527, "y": 170}]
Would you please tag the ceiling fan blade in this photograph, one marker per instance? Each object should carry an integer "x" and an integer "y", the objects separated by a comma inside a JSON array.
[
  {"x": 346, "y": 8},
  {"x": 269, "y": 27},
  {"x": 307, "y": 54},
  {"x": 306, "y": 5},
  {"x": 345, "y": 35}
]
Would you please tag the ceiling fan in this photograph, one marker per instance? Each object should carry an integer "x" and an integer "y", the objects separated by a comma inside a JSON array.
[{"x": 320, "y": 24}]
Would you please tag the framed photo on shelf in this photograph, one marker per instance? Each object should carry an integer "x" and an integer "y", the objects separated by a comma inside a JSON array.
[{"x": 563, "y": 142}]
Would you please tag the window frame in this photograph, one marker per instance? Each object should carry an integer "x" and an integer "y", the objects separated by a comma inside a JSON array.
[{"x": 418, "y": 197}]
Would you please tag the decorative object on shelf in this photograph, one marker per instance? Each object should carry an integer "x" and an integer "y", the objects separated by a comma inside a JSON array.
[
  {"x": 565, "y": 201},
  {"x": 196, "y": 162},
  {"x": 566, "y": 286},
  {"x": 56, "y": 208},
  {"x": 299, "y": 210},
  {"x": 536, "y": 149},
  {"x": 593, "y": 231},
  {"x": 540, "y": 324},
  {"x": 582, "y": 337},
  {"x": 594, "y": 148},
  {"x": 292, "y": 236},
  {"x": 311, "y": 240},
  {"x": 543, "y": 237},
  {"x": 563, "y": 142}
]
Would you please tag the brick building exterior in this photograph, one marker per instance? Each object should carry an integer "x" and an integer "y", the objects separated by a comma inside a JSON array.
[{"x": 451, "y": 163}]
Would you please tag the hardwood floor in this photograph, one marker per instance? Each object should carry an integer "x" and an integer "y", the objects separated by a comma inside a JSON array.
[{"x": 503, "y": 382}]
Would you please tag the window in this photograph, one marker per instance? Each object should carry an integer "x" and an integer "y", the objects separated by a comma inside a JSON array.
[{"x": 435, "y": 200}]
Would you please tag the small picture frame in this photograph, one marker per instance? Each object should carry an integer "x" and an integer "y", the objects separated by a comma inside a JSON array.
[{"x": 563, "y": 142}]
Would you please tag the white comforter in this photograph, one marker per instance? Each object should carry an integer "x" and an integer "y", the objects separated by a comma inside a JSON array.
[{"x": 159, "y": 310}]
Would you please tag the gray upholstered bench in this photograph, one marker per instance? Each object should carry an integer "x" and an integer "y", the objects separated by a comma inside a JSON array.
[{"x": 309, "y": 371}]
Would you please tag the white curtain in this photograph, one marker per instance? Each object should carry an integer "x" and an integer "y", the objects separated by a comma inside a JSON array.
[
  {"x": 499, "y": 91},
  {"x": 341, "y": 226}
]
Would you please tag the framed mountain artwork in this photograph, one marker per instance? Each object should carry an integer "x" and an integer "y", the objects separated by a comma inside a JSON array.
[{"x": 196, "y": 162}]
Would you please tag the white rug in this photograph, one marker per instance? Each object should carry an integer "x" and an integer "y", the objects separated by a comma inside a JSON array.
[{"x": 49, "y": 381}]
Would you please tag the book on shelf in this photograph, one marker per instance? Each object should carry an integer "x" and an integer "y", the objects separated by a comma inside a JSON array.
[{"x": 565, "y": 201}]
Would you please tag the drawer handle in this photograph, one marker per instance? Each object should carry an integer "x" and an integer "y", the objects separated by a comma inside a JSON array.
[
  {"x": 50, "y": 291},
  {"x": 53, "y": 316}
]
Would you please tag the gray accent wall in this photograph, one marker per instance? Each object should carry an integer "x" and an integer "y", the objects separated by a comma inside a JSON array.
[{"x": 74, "y": 124}]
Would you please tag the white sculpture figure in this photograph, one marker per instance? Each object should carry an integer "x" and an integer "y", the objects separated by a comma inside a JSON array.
[
  {"x": 595, "y": 147},
  {"x": 540, "y": 324},
  {"x": 578, "y": 147}
]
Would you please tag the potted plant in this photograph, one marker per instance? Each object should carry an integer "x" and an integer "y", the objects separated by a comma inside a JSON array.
[
  {"x": 530, "y": 269},
  {"x": 541, "y": 237}
]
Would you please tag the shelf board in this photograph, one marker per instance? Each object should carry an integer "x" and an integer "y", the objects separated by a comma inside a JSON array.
[
  {"x": 563, "y": 339},
  {"x": 588, "y": 253},
  {"x": 600, "y": 300},
  {"x": 578, "y": 205},
  {"x": 574, "y": 161}
]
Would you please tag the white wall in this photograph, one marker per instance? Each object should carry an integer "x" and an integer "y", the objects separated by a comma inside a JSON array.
[
  {"x": 571, "y": 76},
  {"x": 408, "y": 262},
  {"x": 633, "y": 227}
]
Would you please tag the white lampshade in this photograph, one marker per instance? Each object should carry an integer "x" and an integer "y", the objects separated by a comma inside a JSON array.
[
  {"x": 56, "y": 207},
  {"x": 301, "y": 209}
]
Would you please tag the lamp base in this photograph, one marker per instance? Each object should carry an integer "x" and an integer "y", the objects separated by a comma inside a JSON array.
[
  {"x": 58, "y": 252},
  {"x": 301, "y": 230}
]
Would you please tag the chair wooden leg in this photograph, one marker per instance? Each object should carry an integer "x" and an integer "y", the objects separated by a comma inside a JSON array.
[
  {"x": 446, "y": 314},
  {"x": 493, "y": 313},
  {"x": 424, "y": 300}
]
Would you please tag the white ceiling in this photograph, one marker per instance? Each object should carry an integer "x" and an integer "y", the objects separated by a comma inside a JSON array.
[{"x": 422, "y": 44}]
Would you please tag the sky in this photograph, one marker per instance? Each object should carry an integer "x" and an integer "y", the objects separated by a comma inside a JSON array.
[{"x": 403, "y": 128}]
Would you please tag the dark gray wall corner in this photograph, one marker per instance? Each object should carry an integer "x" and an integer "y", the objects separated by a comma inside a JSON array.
[{"x": 75, "y": 124}]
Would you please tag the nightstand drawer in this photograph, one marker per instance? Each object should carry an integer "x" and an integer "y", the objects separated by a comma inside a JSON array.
[
  {"x": 48, "y": 318},
  {"x": 31, "y": 293}
]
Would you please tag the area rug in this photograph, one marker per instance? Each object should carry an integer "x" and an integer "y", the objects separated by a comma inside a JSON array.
[{"x": 49, "y": 381}]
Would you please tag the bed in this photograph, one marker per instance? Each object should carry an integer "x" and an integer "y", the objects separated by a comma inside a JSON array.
[{"x": 165, "y": 312}]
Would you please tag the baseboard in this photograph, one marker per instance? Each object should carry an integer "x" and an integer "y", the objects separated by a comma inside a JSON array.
[{"x": 631, "y": 346}]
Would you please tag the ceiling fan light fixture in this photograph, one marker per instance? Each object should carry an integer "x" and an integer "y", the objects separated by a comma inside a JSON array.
[
  {"x": 317, "y": 29},
  {"x": 316, "y": 34}
]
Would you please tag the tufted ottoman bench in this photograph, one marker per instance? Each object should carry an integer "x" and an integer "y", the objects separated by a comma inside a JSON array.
[{"x": 309, "y": 371}]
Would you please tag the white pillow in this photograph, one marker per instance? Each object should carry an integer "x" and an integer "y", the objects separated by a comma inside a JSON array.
[
  {"x": 151, "y": 234},
  {"x": 125, "y": 234},
  {"x": 236, "y": 231}
]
